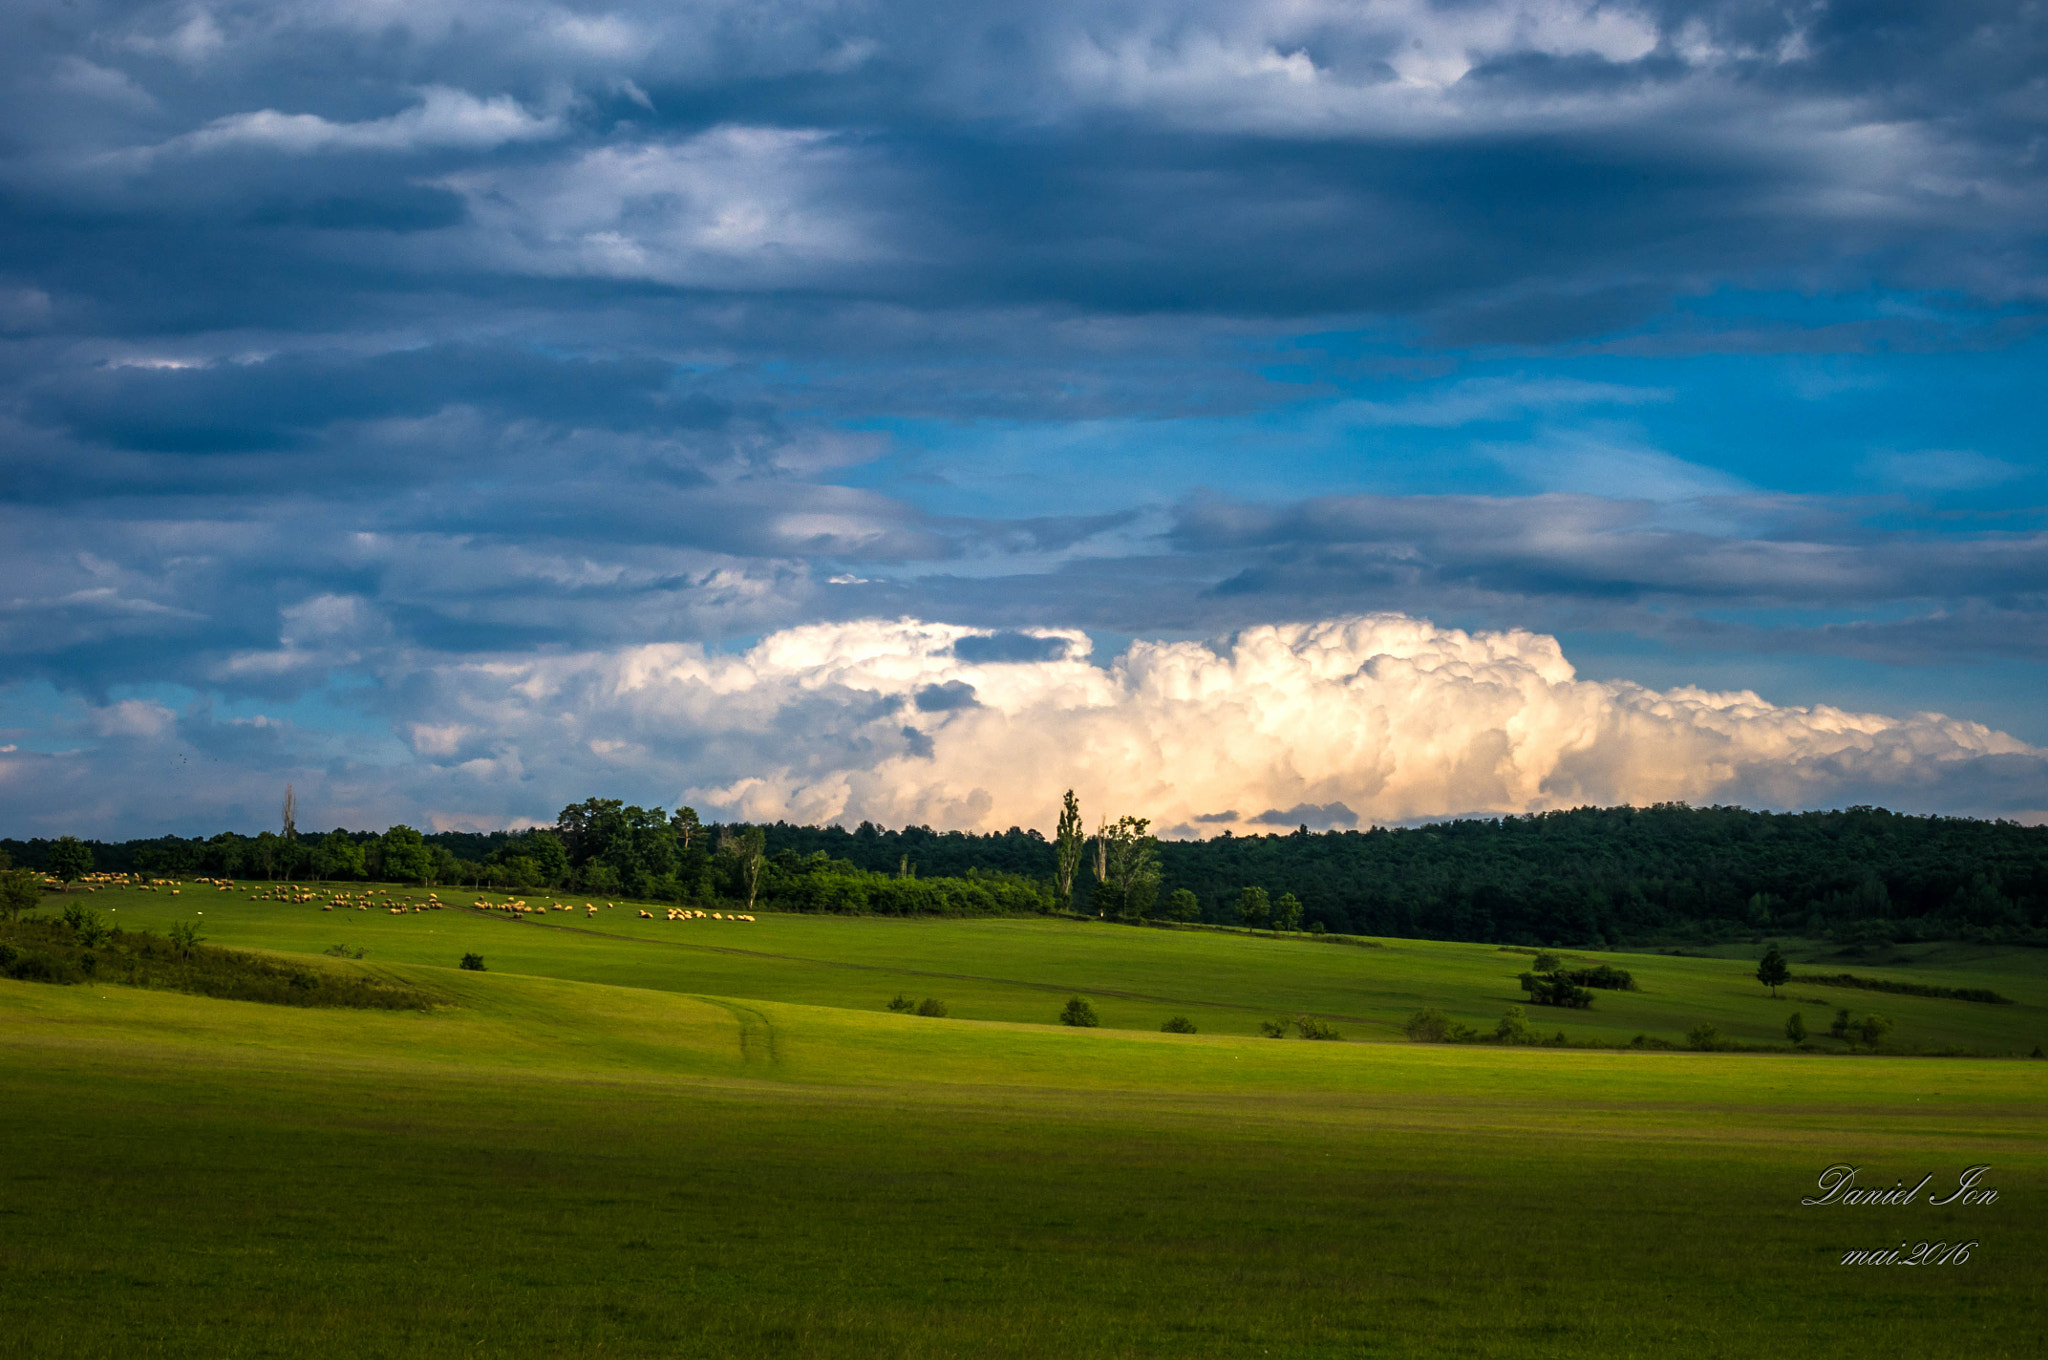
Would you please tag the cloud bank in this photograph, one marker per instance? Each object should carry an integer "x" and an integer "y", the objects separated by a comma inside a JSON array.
[{"x": 1345, "y": 722}]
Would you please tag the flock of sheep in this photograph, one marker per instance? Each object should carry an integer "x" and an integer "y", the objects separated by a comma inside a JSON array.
[{"x": 367, "y": 899}]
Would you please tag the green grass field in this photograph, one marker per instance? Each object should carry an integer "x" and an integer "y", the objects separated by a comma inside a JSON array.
[{"x": 635, "y": 1137}]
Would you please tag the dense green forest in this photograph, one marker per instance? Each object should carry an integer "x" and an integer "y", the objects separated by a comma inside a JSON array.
[{"x": 1588, "y": 876}]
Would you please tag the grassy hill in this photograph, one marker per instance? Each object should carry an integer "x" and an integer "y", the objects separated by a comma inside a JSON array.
[
  {"x": 634, "y": 1137},
  {"x": 1024, "y": 969}
]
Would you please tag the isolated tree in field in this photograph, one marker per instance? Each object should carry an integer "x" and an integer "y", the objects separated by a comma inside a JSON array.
[
  {"x": 473, "y": 962},
  {"x": 1872, "y": 1029},
  {"x": 1079, "y": 1014},
  {"x": 1183, "y": 906},
  {"x": 1254, "y": 907},
  {"x": 1287, "y": 912},
  {"x": 1068, "y": 843},
  {"x": 1773, "y": 972},
  {"x": 70, "y": 860},
  {"x": 1795, "y": 1028},
  {"x": 20, "y": 890}
]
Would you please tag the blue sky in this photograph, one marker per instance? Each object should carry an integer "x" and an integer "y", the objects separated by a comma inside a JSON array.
[{"x": 355, "y": 358}]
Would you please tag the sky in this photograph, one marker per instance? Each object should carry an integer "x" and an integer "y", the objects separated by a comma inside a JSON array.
[{"x": 1251, "y": 415}]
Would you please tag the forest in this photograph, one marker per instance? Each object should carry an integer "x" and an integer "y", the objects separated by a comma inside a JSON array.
[{"x": 1584, "y": 877}]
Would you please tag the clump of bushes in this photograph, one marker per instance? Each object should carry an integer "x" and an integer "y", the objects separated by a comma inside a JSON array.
[
  {"x": 902, "y": 1004},
  {"x": 1273, "y": 1029},
  {"x": 1078, "y": 1013},
  {"x": 1513, "y": 1028},
  {"x": 35, "y": 965},
  {"x": 1179, "y": 1024},
  {"x": 1431, "y": 1026},
  {"x": 1309, "y": 1027},
  {"x": 1870, "y": 1030},
  {"x": 473, "y": 963},
  {"x": 931, "y": 1005},
  {"x": 1556, "y": 989}
]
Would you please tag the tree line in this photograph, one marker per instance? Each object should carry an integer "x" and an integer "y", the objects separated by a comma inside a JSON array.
[{"x": 1583, "y": 877}]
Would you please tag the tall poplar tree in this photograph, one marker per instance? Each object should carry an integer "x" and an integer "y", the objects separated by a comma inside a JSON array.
[{"x": 1068, "y": 842}]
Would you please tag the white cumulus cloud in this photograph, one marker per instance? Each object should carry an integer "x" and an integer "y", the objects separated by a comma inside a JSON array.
[{"x": 1350, "y": 721}]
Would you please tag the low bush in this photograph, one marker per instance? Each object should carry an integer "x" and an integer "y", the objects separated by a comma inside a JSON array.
[
  {"x": 1556, "y": 989},
  {"x": 902, "y": 1004},
  {"x": 931, "y": 1005},
  {"x": 1309, "y": 1027},
  {"x": 1179, "y": 1024},
  {"x": 1606, "y": 978},
  {"x": 1704, "y": 1037},
  {"x": 1514, "y": 1028},
  {"x": 1431, "y": 1026},
  {"x": 473, "y": 963},
  {"x": 1273, "y": 1029},
  {"x": 1078, "y": 1013}
]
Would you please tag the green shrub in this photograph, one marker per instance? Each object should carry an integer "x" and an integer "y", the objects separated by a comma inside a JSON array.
[
  {"x": 931, "y": 1005},
  {"x": 1795, "y": 1028},
  {"x": 1703, "y": 1037},
  {"x": 1514, "y": 1028},
  {"x": 1555, "y": 989},
  {"x": 1078, "y": 1013},
  {"x": 1547, "y": 963},
  {"x": 1179, "y": 1024},
  {"x": 1431, "y": 1026},
  {"x": 1309, "y": 1027},
  {"x": 33, "y": 965},
  {"x": 902, "y": 1004},
  {"x": 1606, "y": 977},
  {"x": 473, "y": 963},
  {"x": 1273, "y": 1029}
]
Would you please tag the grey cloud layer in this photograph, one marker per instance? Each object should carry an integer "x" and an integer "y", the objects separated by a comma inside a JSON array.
[{"x": 342, "y": 342}]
